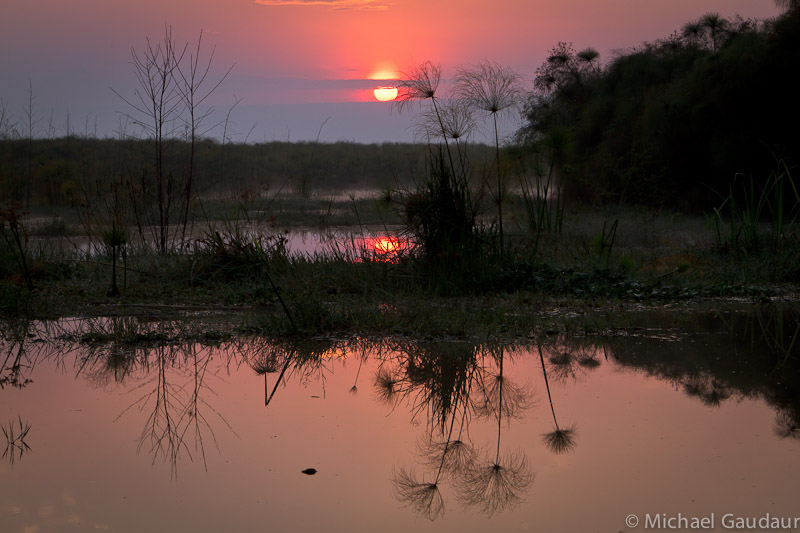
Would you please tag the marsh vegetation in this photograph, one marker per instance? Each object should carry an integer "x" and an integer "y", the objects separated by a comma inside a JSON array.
[
  {"x": 697, "y": 207},
  {"x": 502, "y": 329}
]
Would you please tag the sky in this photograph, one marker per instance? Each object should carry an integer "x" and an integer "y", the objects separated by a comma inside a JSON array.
[{"x": 302, "y": 69}]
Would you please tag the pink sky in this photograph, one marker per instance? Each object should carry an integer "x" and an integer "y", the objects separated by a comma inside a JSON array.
[{"x": 309, "y": 51}]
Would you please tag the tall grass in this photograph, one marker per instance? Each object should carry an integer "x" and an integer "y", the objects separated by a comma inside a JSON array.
[
  {"x": 441, "y": 213},
  {"x": 740, "y": 222},
  {"x": 15, "y": 237}
]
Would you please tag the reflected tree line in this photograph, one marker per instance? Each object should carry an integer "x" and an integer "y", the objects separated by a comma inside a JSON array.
[
  {"x": 755, "y": 354},
  {"x": 445, "y": 387}
]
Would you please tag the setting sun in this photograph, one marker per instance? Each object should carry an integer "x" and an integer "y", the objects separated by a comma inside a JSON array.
[{"x": 385, "y": 94}]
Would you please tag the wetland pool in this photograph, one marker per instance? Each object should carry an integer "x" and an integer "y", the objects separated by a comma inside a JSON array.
[{"x": 671, "y": 412}]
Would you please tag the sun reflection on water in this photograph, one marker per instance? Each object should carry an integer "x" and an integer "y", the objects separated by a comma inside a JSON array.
[
  {"x": 386, "y": 248},
  {"x": 386, "y": 245}
]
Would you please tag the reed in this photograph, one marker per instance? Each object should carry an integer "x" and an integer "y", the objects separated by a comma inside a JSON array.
[
  {"x": 15, "y": 435},
  {"x": 740, "y": 222}
]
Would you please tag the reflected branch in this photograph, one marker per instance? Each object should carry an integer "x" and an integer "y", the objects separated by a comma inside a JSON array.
[
  {"x": 177, "y": 423},
  {"x": 16, "y": 361}
]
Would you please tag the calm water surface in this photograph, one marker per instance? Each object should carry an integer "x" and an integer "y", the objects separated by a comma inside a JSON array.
[
  {"x": 658, "y": 413},
  {"x": 380, "y": 241}
]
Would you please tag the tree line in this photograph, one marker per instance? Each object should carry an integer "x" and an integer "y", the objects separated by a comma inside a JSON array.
[
  {"x": 675, "y": 121},
  {"x": 65, "y": 169}
]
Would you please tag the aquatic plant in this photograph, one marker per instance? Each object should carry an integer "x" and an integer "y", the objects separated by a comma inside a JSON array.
[
  {"x": 386, "y": 385},
  {"x": 263, "y": 362},
  {"x": 15, "y": 435},
  {"x": 454, "y": 455},
  {"x": 115, "y": 238},
  {"x": 449, "y": 456},
  {"x": 744, "y": 210},
  {"x": 440, "y": 218},
  {"x": 363, "y": 357},
  {"x": 17, "y": 361},
  {"x": 545, "y": 199},
  {"x": 419, "y": 84},
  {"x": 495, "y": 90},
  {"x": 16, "y": 238},
  {"x": 604, "y": 242},
  {"x": 498, "y": 485},
  {"x": 708, "y": 389},
  {"x": 499, "y": 395},
  {"x": 560, "y": 440},
  {"x": 787, "y": 426},
  {"x": 424, "y": 498},
  {"x": 452, "y": 121}
]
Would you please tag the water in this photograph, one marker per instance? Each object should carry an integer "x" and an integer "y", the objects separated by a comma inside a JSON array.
[
  {"x": 661, "y": 413},
  {"x": 299, "y": 241}
]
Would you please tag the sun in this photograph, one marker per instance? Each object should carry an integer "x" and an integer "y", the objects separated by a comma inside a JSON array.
[{"x": 385, "y": 93}]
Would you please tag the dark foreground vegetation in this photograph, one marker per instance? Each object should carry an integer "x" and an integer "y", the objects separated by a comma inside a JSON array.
[{"x": 664, "y": 175}]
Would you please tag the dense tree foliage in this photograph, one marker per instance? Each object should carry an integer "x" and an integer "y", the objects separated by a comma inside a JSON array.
[{"x": 674, "y": 121}]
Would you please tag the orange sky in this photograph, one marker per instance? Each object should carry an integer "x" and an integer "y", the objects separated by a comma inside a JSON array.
[{"x": 309, "y": 51}]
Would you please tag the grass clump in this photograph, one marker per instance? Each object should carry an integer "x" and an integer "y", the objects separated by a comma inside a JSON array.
[
  {"x": 234, "y": 255},
  {"x": 758, "y": 215}
]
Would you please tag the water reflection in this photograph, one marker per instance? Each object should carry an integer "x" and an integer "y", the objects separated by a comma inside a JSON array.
[
  {"x": 560, "y": 440},
  {"x": 723, "y": 355},
  {"x": 786, "y": 427},
  {"x": 378, "y": 243},
  {"x": 15, "y": 433},
  {"x": 498, "y": 482},
  {"x": 466, "y": 405},
  {"x": 17, "y": 363},
  {"x": 437, "y": 379},
  {"x": 449, "y": 384},
  {"x": 179, "y": 415},
  {"x": 169, "y": 381},
  {"x": 303, "y": 362}
]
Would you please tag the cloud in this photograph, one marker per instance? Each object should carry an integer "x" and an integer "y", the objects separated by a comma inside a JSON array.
[{"x": 339, "y": 5}]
